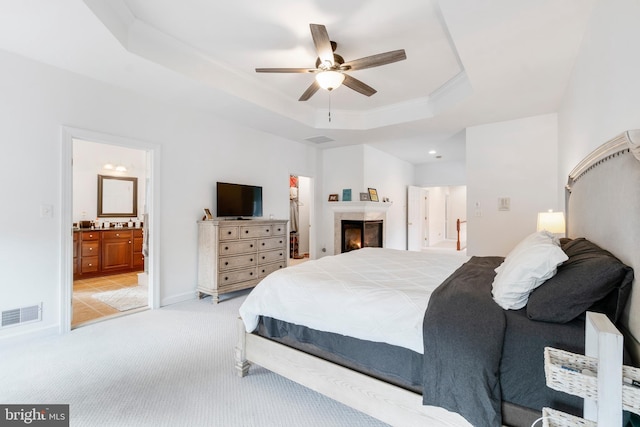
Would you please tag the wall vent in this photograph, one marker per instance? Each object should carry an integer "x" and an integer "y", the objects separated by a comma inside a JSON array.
[
  {"x": 319, "y": 139},
  {"x": 20, "y": 316}
]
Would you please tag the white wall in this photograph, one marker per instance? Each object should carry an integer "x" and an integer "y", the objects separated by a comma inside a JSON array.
[
  {"x": 437, "y": 174},
  {"x": 391, "y": 177},
  {"x": 196, "y": 150},
  {"x": 516, "y": 159},
  {"x": 603, "y": 95}
]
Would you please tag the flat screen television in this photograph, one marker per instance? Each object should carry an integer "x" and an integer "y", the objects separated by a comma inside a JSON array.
[{"x": 238, "y": 200}]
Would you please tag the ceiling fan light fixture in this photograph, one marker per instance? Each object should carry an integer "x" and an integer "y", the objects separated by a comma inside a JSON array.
[{"x": 329, "y": 80}]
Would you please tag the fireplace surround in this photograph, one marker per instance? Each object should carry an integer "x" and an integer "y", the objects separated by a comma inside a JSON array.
[{"x": 357, "y": 211}]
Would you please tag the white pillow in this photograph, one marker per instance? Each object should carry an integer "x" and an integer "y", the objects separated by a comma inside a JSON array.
[{"x": 534, "y": 260}]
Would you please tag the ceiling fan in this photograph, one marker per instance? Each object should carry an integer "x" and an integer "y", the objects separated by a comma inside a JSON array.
[{"x": 330, "y": 67}]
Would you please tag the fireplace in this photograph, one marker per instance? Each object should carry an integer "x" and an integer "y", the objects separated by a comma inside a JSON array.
[{"x": 358, "y": 234}]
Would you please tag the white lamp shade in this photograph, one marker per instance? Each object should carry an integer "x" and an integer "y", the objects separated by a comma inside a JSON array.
[
  {"x": 553, "y": 222},
  {"x": 329, "y": 80}
]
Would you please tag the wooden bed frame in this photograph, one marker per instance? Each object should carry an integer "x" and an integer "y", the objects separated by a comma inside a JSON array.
[{"x": 603, "y": 205}]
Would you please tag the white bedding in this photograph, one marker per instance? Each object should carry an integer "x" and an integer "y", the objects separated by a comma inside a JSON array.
[{"x": 372, "y": 294}]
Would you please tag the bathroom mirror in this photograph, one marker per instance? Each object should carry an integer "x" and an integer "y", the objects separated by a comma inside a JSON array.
[{"x": 117, "y": 196}]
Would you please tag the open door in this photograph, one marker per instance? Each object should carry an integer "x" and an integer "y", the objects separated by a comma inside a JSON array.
[{"x": 415, "y": 219}]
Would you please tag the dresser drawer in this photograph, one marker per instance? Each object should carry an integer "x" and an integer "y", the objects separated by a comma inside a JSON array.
[
  {"x": 230, "y": 277},
  {"x": 228, "y": 233},
  {"x": 91, "y": 248},
  {"x": 253, "y": 231},
  {"x": 279, "y": 230},
  {"x": 240, "y": 247},
  {"x": 89, "y": 264},
  {"x": 270, "y": 256},
  {"x": 272, "y": 243},
  {"x": 90, "y": 235},
  {"x": 264, "y": 270},
  {"x": 234, "y": 262}
]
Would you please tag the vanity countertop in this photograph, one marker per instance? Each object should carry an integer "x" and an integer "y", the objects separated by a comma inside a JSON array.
[{"x": 106, "y": 229}]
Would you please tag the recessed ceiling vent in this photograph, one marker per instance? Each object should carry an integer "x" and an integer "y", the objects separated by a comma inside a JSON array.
[
  {"x": 19, "y": 316},
  {"x": 319, "y": 139}
]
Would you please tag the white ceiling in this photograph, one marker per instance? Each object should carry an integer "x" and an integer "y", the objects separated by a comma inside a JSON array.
[{"x": 468, "y": 61}]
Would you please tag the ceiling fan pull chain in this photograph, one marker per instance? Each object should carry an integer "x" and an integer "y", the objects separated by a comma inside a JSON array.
[{"x": 329, "y": 107}]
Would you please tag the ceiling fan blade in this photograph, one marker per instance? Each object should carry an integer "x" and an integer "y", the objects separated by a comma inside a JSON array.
[
  {"x": 375, "y": 60},
  {"x": 310, "y": 91},
  {"x": 358, "y": 86},
  {"x": 286, "y": 70},
  {"x": 323, "y": 44}
]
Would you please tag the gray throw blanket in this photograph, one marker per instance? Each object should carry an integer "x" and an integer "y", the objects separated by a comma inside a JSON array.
[{"x": 463, "y": 336}]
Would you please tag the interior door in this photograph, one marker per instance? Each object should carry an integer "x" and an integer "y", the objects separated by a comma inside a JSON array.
[{"x": 414, "y": 218}]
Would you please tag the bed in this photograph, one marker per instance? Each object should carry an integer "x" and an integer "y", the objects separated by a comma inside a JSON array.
[{"x": 420, "y": 365}]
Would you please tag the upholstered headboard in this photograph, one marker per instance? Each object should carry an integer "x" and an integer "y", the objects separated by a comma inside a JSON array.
[{"x": 603, "y": 205}]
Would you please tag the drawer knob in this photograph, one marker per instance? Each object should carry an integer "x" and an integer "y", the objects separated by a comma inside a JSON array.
[
  {"x": 129, "y": 241},
  {"x": 246, "y": 231},
  {"x": 280, "y": 253},
  {"x": 263, "y": 270},
  {"x": 229, "y": 232},
  {"x": 251, "y": 245},
  {"x": 263, "y": 257},
  {"x": 226, "y": 248},
  {"x": 90, "y": 249},
  {"x": 251, "y": 259},
  {"x": 117, "y": 234},
  {"x": 90, "y": 235},
  {"x": 262, "y": 243},
  {"x": 226, "y": 263},
  {"x": 90, "y": 265},
  {"x": 251, "y": 274},
  {"x": 226, "y": 278},
  {"x": 267, "y": 230},
  {"x": 280, "y": 241}
]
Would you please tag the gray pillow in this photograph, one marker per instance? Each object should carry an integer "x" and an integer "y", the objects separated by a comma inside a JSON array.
[{"x": 591, "y": 279}]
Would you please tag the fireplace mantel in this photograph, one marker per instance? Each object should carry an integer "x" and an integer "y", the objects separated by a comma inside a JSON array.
[{"x": 357, "y": 206}]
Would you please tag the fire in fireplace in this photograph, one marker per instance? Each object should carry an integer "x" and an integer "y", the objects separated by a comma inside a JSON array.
[{"x": 361, "y": 234}]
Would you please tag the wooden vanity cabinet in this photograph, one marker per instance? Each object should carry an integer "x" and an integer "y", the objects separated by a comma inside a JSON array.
[
  {"x": 103, "y": 252},
  {"x": 117, "y": 250}
]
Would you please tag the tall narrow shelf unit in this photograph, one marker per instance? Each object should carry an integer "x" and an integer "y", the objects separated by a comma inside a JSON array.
[{"x": 237, "y": 254}]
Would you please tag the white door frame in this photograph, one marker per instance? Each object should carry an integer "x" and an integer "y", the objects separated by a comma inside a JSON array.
[
  {"x": 312, "y": 210},
  {"x": 66, "y": 214}
]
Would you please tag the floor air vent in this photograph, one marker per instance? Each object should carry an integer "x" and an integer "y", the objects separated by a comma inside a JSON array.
[{"x": 19, "y": 316}]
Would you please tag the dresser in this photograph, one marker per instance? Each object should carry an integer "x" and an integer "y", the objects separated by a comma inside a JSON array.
[
  {"x": 107, "y": 251},
  {"x": 237, "y": 254}
]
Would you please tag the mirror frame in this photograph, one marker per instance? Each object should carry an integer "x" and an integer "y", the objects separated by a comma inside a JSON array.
[{"x": 101, "y": 197}]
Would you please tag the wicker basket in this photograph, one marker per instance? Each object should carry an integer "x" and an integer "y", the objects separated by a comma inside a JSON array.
[
  {"x": 563, "y": 372},
  {"x": 553, "y": 418}
]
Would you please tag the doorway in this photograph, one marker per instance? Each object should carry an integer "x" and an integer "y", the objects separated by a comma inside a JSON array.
[
  {"x": 121, "y": 248},
  {"x": 434, "y": 213},
  {"x": 109, "y": 275},
  {"x": 301, "y": 210}
]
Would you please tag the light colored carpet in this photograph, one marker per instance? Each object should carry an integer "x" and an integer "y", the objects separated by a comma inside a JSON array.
[
  {"x": 166, "y": 367},
  {"x": 126, "y": 298}
]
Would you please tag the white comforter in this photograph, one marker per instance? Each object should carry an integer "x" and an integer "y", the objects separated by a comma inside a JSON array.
[{"x": 372, "y": 294}]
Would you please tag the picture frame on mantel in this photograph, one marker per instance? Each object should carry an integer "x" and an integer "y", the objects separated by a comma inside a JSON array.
[
  {"x": 373, "y": 195},
  {"x": 346, "y": 195},
  {"x": 364, "y": 197},
  {"x": 333, "y": 197}
]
